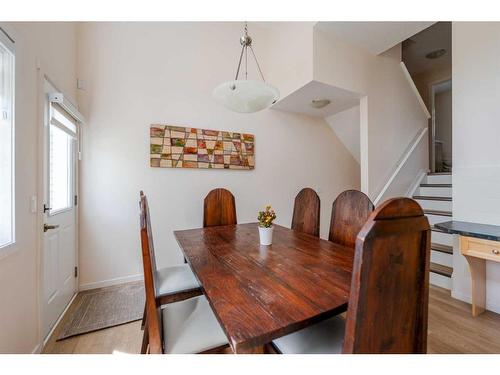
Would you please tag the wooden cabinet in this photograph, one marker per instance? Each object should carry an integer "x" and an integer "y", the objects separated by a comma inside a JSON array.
[{"x": 477, "y": 251}]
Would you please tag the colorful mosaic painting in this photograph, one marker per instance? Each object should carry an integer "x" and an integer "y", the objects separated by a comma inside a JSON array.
[{"x": 179, "y": 147}]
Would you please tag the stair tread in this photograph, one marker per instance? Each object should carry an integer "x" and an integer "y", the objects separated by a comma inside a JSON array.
[
  {"x": 436, "y": 185},
  {"x": 437, "y": 212},
  {"x": 442, "y": 248},
  {"x": 438, "y": 173},
  {"x": 432, "y": 198},
  {"x": 441, "y": 270}
]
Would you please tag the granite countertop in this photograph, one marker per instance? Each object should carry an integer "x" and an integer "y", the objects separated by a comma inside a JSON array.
[{"x": 484, "y": 231}]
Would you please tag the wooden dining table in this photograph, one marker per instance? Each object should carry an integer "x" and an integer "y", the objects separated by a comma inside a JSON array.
[{"x": 259, "y": 293}]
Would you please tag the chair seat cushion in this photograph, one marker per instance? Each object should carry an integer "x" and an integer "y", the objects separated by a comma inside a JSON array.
[
  {"x": 190, "y": 326},
  {"x": 326, "y": 337},
  {"x": 176, "y": 279}
]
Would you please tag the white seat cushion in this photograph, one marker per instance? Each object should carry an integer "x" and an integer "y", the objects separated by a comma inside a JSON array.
[
  {"x": 326, "y": 337},
  {"x": 190, "y": 326},
  {"x": 176, "y": 279}
]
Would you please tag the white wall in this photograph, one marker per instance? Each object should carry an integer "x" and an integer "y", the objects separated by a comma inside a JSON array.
[
  {"x": 292, "y": 66},
  {"x": 137, "y": 74},
  {"x": 393, "y": 115},
  {"x": 54, "y": 45},
  {"x": 476, "y": 140},
  {"x": 346, "y": 125}
]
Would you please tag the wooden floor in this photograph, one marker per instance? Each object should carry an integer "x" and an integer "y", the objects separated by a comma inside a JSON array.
[{"x": 452, "y": 329}]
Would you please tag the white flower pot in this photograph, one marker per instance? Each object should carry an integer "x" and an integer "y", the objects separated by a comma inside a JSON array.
[{"x": 266, "y": 235}]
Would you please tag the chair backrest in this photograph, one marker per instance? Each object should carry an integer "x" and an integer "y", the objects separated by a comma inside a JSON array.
[
  {"x": 154, "y": 320},
  {"x": 306, "y": 211},
  {"x": 389, "y": 296},
  {"x": 219, "y": 208},
  {"x": 349, "y": 213}
]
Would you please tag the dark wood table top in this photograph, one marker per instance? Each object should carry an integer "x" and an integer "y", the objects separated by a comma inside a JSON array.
[{"x": 259, "y": 293}]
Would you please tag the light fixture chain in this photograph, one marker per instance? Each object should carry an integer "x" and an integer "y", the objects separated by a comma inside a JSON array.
[
  {"x": 246, "y": 52},
  {"x": 258, "y": 66},
  {"x": 239, "y": 63},
  {"x": 246, "y": 42}
]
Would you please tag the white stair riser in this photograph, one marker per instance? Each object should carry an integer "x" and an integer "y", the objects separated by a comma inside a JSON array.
[
  {"x": 442, "y": 238},
  {"x": 434, "y": 191},
  {"x": 434, "y": 219},
  {"x": 439, "y": 280},
  {"x": 441, "y": 258},
  {"x": 428, "y": 204},
  {"x": 439, "y": 179}
]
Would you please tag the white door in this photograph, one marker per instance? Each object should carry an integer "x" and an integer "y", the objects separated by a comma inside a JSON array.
[{"x": 59, "y": 238}]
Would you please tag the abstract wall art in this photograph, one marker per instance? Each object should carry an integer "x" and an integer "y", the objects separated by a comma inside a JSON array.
[{"x": 182, "y": 147}]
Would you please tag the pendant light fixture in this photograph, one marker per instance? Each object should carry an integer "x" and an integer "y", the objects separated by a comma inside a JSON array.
[{"x": 246, "y": 96}]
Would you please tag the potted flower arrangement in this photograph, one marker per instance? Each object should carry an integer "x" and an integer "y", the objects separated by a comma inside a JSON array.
[{"x": 266, "y": 219}]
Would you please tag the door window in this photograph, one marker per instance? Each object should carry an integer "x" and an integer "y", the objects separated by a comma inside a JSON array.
[{"x": 62, "y": 134}]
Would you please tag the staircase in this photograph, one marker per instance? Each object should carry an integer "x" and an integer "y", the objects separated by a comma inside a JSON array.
[{"x": 434, "y": 195}]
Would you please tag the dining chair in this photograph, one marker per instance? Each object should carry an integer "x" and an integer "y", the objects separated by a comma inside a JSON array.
[
  {"x": 388, "y": 302},
  {"x": 349, "y": 213},
  {"x": 174, "y": 283},
  {"x": 219, "y": 208},
  {"x": 306, "y": 211},
  {"x": 184, "y": 326}
]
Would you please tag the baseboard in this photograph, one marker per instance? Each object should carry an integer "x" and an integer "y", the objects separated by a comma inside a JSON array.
[
  {"x": 467, "y": 298},
  {"x": 110, "y": 282}
]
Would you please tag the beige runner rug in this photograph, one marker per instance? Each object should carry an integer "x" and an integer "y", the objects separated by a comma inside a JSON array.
[{"x": 103, "y": 308}]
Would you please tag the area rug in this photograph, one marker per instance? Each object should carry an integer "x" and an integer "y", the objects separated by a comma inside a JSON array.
[{"x": 103, "y": 308}]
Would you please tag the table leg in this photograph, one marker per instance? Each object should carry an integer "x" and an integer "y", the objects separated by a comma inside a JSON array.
[{"x": 477, "y": 268}]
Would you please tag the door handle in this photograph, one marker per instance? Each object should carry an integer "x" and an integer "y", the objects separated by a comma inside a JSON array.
[{"x": 46, "y": 227}]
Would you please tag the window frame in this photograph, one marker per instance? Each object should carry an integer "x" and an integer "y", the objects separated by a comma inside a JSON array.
[
  {"x": 71, "y": 131},
  {"x": 8, "y": 44}
]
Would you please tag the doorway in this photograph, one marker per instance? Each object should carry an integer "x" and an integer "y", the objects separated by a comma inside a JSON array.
[
  {"x": 428, "y": 58},
  {"x": 441, "y": 127},
  {"x": 59, "y": 244}
]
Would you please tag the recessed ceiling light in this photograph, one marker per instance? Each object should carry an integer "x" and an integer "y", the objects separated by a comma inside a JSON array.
[
  {"x": 319, "y": 103},
  {"x": 436, "y": 54}
]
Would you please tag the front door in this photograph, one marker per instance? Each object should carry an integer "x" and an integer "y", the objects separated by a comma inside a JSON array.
[{"x": 59, "y": 238}]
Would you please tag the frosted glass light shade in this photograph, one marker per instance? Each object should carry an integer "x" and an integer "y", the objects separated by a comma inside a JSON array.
[{"x": 245, "y": 96}]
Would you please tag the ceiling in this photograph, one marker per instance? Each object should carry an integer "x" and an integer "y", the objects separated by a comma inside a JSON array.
[
  {"x": 376, "y": 37},
  {"x": 299, "y": 101},
  {"x": 438, "y": 36}
]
